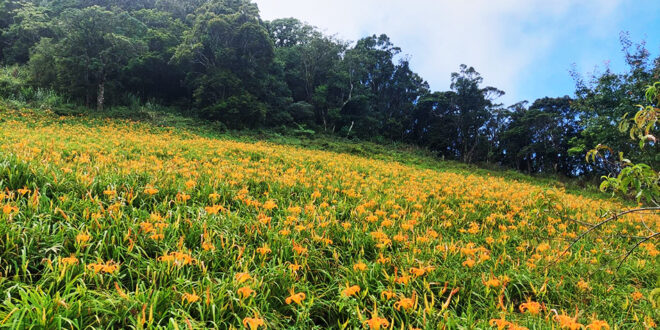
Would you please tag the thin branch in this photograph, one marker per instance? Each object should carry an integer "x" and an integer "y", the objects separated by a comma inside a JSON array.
[
  {"x": 647, "y": 227},
  {"x": 581, "y": 222},
  {"x": 635, "y": 247},
  {"x": 600, "y": 224}
]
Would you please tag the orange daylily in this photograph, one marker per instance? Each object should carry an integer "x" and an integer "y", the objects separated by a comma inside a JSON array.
[
  {"x": 245, "y": 292},
  {"x": 253, "y": 323},
  {"x": 350, "y": 291},
  {"x": 295, "y": 297}
]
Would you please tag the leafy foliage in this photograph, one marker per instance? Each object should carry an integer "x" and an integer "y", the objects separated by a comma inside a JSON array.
[
  {"x": 636, "y": 178},
  {"x": 218, "y": 61}
]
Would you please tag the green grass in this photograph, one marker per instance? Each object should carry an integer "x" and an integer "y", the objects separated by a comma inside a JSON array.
[{"x": 81, "y": 186}]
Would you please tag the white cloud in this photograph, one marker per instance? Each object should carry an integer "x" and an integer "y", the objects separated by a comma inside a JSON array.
[{"x": 502, "y": 39}]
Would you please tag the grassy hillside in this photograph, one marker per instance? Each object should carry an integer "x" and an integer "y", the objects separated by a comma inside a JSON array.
[{"x": 113, "y": 223}]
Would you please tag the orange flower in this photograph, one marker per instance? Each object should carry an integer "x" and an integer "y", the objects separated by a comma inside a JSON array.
[
  {"x": 420, "y": 271},
  {"x": 190, "y": 297},
  {"x": 543, "y": 247},
  {"x": 583, "y": 285},
  {"x": 360, "y": 266},
  {"x": 150, "y": 191},
  {"x": 245, "y": 292},
  {"x": 190, "y": 184},
  {"x": 636, "y": 296},
  {"x": 69, "y": 261},
  {"x": 108, "y": 267},
  {"x": 82, "y": 238},
  {"x": 269, "y": 205},
  {"x": 295, "y": 297},
  {"x": 182, "y": 197},
  {"x": 350, "y": 291},
  {"x": 242, "y": 277},
  {"x": 401, "y": 280},
  {"x": 500, "y": 323},
  {"x": 264, "y": 250},
  {"x": 406, "y": 303},
  {"x": 531, "y": 307},
  {"x": 263, "y": 219},
  {"x": 299, "y": 249},
  {"x": 598, "y": 325},
  {"x": 214, "y": 209},
  {"x": 178, "y": 258},
  {"x": 157, "y": 237},
  {"x": 376, "y": 322},
  {"x": 387, "y": 295},
  {"x": 294, "y": 267},
  {"x": 382, "y": 259},
  {"x": 567, "y": 322},
  {"x": 253, "y": 323},
  {"x": 208, "y": 246},
  {"x": 492, "y": 283},
  {"x": 469, "y": 263},
  {"x": 8, "y": 209}
]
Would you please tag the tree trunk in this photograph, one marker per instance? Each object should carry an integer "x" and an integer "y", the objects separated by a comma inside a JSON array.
[
  {"x": 100, "y": 97},
  {"x": 325, "y": 123}
]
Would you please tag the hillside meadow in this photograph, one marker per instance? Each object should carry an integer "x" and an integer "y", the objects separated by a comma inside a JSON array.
[{"x": 120, "y": 224}]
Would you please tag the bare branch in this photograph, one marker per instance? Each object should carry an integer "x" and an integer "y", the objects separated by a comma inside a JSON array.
[
  {"x": 600, "y": 224},
  {"x": 635, "y": 247}
]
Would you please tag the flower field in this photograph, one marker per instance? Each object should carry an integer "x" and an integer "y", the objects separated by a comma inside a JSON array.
[{"x": 116, "y": 224}]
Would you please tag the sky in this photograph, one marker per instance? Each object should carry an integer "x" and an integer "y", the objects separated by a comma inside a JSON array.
[{"x": 524, "y": 47}]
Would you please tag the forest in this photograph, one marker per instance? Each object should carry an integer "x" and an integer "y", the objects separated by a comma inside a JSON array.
[
  {"x": 188, "y": 164},
  {"x": 219, "y": 61}
]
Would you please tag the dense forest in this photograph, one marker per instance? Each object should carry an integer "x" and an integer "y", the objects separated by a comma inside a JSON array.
[{"x": 219, "y": 61}]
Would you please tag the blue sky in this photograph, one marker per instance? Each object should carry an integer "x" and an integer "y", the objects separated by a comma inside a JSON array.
[{"x": 524, "y": 47}]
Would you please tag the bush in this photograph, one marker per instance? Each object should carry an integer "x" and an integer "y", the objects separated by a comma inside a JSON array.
[
  {"x": 10, "y": 83},
  {"x": 14, "y": 87}
]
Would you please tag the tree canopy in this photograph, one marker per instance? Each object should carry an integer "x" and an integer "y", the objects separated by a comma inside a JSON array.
[{"x": 218, "y": 60}]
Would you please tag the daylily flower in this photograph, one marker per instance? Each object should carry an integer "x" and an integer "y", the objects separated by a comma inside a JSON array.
[{"x": 295, "y": 297}]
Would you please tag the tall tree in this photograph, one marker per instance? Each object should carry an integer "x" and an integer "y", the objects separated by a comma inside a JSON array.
[
  {"x": 473, "y": 105},
  {"x": 537, "y": 139},
  {"x": 605, "y": 98},
  {"x": 29, "y": 24},
  {"x": 151, "y": 74},
  {"x": 228, "y": 53},
  {"x": 92, "y": 46}
]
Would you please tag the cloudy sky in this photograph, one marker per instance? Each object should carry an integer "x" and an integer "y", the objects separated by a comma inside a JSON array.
[{"x": 525, "y": 47}]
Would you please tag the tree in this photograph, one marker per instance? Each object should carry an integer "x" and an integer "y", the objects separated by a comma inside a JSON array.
[
  {"x": 30, "y": 24},
  {"x": 473, "y": 105},
  {"x": 7, "y": 11},
  {"x": 403, "y": 92},
  {"x": 637, "y": 179},
  {"x": 604, "y": 99},
  {"x": 312, "y": 65},
  {"x": 434, "y": 123},
  {"x": 537, "y": 139},
  {"x": 91, "y": 47},
  {"x": 228, "y": 54},
  {"x": 289, "y": 32},
  {"x": 150, "y": 74}
]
